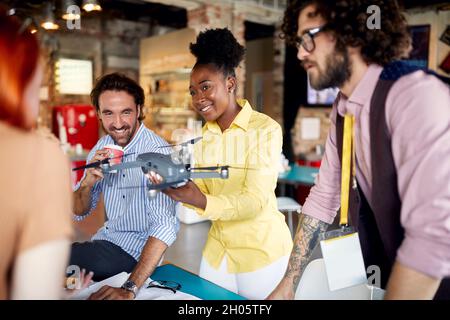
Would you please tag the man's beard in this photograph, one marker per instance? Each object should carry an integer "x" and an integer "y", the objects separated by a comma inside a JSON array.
[
  {"x": 337, "y": 71},
  {"x": 125, "y": 140}
]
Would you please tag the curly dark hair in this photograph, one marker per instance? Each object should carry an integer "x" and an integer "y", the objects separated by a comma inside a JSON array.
[
  {"x": 218, "y": 47},
  {"x": 347, "y": 20},
  {"x": 119, "y": 82}
]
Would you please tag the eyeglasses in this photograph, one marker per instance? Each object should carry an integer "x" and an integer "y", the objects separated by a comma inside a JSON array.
[
  {"x": 307, "y": 39},
  {"x": 162, "y": 284}
]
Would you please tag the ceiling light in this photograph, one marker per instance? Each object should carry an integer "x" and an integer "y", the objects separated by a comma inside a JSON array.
[
  {"x": 91, "y": 5},
  {"x": 48, "y": 25},
  {"x": 49, "y": 18},
  {"x": 70, "y": 10}
]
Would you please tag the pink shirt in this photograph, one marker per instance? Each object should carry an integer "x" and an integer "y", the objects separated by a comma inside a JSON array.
[{"x": 418, "y": 120}]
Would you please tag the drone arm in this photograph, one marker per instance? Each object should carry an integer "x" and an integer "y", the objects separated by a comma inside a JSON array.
[
  {"x": 95, "y": 164},
  {"x": 205, "y": 175},
  {"x": 125, "y": 165}
]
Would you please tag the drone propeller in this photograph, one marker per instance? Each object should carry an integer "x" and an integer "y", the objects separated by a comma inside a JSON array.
[
  {"x": 191, "y": 141},
  {"x": 92, "y": 165},
  {"x": 97, "y": 164},
  {"x": 133, "y": 187},
  {"x": 220, "y": 167}
]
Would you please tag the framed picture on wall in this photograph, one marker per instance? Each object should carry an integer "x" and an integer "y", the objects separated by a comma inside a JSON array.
[
  {"x": 420, "y": 36},
  {"x": 74, "y": 76}
]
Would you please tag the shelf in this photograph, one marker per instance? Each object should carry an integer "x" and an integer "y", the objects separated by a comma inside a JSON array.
[
  {"x": 170, "y": 102},
  {"x": 179, "y": 71},
  {"x": 173, "y": 110}
]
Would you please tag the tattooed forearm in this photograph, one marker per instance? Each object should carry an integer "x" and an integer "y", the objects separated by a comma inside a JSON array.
[{"x": 305, "y": 241}]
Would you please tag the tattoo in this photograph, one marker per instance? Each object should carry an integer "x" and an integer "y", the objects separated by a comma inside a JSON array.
[{"x": 305, "y": 241}]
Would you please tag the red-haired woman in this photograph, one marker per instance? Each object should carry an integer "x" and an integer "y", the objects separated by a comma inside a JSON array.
[{"x": 35, "y": 195}]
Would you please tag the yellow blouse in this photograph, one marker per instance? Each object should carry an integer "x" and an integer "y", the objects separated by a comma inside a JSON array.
[{"x": 246, "y": 224}]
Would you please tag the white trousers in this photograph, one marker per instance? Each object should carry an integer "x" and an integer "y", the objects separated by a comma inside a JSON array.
[{"x": 256, "y": 285}]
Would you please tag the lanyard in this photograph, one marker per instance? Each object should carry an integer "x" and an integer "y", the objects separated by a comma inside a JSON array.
[{"x": 348, "y": 159}]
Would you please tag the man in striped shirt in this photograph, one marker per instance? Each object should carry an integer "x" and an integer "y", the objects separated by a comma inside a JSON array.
[{"x": 137, "y": 230}]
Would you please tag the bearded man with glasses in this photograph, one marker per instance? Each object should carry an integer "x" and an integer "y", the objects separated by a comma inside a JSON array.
[{"x": 399, "y": 201}]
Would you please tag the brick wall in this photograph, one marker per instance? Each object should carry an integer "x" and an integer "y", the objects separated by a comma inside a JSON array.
[
  {"x": 278, "y": 76},
  {"x": 226, "y": 15},
  {"x": 220, "y": 16},
  {"x": 98, "y": 41}
]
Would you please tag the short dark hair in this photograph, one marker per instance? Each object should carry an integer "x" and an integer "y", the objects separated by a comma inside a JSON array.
[
  {"x": 220, "y": 48},
  {"x": 347, "y": 20},
  {"x": 119, "y": 82}
]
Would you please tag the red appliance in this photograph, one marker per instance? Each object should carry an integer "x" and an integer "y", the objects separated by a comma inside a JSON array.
[{"x": 80, "y": 124}]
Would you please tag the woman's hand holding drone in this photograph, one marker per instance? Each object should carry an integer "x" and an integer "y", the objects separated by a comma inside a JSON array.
[{"x": 189, "y": 193}]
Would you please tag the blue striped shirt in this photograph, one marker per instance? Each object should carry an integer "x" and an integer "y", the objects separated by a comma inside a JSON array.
[{"x": 131, "y": 217}]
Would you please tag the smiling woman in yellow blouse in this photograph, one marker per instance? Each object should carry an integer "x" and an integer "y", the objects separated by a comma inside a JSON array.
[{"x": 249, "y": 242}]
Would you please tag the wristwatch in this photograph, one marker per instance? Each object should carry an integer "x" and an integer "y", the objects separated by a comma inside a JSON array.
[{"x": 130, "y": 286}]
